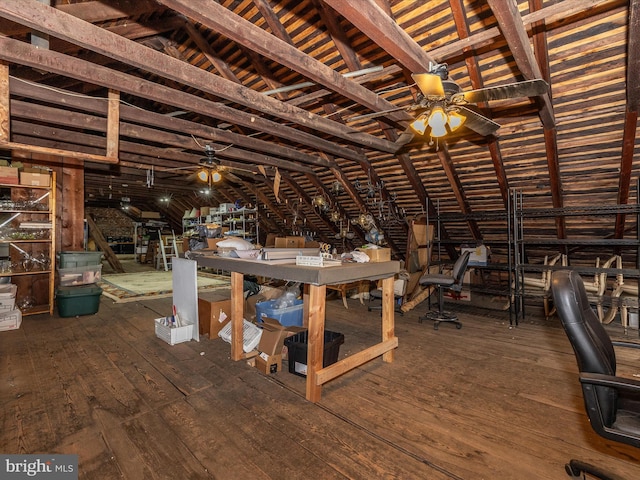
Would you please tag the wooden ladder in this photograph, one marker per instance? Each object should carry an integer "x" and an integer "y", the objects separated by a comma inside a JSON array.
[{"x": 168, "y": 251}]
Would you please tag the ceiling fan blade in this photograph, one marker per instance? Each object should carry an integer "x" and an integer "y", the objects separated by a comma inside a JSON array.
[
  {"x": 528, "y": 88},
  {"x": 478, "y": 123},
  {"x": 429, "y": 84},
  {"x": 191, "y": 178}
]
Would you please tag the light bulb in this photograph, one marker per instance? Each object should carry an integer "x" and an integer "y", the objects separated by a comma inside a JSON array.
[
  {"x": 455, "y": 120},
  {"x": 420, "y": 124},
  {"x": 438, "y": 131},
  {"x": 215, "y": 176},
  {"x": 203, "y": 175},
  {"x": 437, "y": 119}
]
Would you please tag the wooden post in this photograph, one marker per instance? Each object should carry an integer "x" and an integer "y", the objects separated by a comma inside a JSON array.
[
  {"x": 5, "y": 119},
  {"x": 315, "y": 339},
  {"x": 113, "y": 124},
  {"x": 237, "y": 316}
]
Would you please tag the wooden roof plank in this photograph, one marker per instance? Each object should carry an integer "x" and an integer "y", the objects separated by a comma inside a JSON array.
[{"x": 67, "y": 27}]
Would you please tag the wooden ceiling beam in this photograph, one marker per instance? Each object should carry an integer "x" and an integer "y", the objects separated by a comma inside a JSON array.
[
  {"x": 514, "y": 32},
  {"x": 91, "y": 12},
  {"x": 488, "y": 36},
  {"x": 541, "y": 57},
  {"x": 204, "y": 46},
  {"x": 22, "y": 53},
  {"x": 458, "y": 191},
  {"x": 630, "y": 114},
  {"x": 64, "y": 26},
  {"x": 236, "y": 28},
  {"x": 132, "y": 114},
  {"x": 43, "y": 113},
  {"x": 373, "y": 21}
]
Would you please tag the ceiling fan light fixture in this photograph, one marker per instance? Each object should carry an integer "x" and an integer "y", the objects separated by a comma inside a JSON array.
[
  {"x": 438, "y": 122},
  {"x": 455, "y": 120},
  {"x": 203, "y": 174},
  {"x": 215, "y": 176},
  {"x": 419, "y": 125}
]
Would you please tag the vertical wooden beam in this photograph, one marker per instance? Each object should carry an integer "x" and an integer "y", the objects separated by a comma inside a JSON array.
[
  {"x": 317, "y": 294},
  {"x": 237, "y": 316},
  {"x": 5, "y": 119},
  {"x": 71, "y": 203},
  {"x": 388, "y": 329},
  {"x": 113, "y": 124}
]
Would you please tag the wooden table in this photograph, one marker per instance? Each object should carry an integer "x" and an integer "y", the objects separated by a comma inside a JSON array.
[{"x": 315, "y": 280}]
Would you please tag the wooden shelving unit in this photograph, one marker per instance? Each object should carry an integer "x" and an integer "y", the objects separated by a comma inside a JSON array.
[{"x": 32, "y": 253}]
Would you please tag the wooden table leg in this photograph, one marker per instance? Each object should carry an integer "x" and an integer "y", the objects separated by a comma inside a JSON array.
[
  {"x": 315, "y": 347},
  {"x": 388, "y": 326},
  {"x": 237, "y": 315}
]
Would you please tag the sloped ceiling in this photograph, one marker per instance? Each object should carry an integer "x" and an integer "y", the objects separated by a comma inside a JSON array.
[{"x": 182, "y": 74}]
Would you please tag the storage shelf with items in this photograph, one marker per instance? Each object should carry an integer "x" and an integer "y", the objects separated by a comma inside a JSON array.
[
  {"x": 240, "y": 223},
  {"x": 587, "y": 248},
  {"x": 491, "y": 266},
  {"x": 27, "y": 230},
  {"x": 235, "y": 222}
]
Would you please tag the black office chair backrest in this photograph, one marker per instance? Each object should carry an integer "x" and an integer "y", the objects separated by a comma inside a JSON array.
[
  {"x": 591, "y": 344},
  {"x": 457, "y": 272}
]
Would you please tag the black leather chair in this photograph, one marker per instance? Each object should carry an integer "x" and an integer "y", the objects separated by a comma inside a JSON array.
[
  {"x": 612, "y": 403},
  {"x": 451, "y": 282}
]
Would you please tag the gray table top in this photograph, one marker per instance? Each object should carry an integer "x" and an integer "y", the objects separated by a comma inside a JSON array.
[{"x": 345, "y": 273}]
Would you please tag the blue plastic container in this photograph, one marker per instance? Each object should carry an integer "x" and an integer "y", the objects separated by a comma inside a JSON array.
[{"x": 287, "y": 316}]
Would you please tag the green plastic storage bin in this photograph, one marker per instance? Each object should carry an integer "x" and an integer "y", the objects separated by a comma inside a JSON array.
[
  {"x": 73, "y": 301},
  {"x": 79, "y": 259}
]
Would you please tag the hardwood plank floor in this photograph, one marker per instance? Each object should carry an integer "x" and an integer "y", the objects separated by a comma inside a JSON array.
[{"x": 488, "y": 401}]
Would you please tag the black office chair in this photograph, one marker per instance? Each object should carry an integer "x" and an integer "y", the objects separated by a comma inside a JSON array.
[
  {"x": 612, "y": 403},
  {"x": 453, "y": 283}
]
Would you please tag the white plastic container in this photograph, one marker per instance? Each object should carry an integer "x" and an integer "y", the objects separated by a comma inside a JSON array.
[{"x": 173, "y": 335}]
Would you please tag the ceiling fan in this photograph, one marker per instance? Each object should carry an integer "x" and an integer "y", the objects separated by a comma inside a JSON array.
[
  {"x": 442, "y": 107},
  {"x": 209, "y": 170}
]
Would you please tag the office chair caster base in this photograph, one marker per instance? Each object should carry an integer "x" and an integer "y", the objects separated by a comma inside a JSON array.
[
  {"x": 577, "y": 469},
  {"x": 441, "y": 317}
]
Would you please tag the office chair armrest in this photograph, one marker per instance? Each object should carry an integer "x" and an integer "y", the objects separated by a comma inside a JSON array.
[
  {"x": 628, "y": 384},
  {"x": 626, "y": 344}
]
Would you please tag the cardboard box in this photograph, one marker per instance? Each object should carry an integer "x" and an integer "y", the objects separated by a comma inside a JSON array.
[
  {"x": 227, "y": 207},
  {"x": 9, "y": 175},
  {"x": 289, "y": 242},
  {"x": 377, "y": 254},
  {"x": 479, "y": 255},
  {"x": 271, "y": 345},
  {"x": 273, "y": 335},
  {"x": 152, "y": 215},
  {"x": 268, "y": 364},
  {"x": 266, "y": 293},
  {"x": 213, "y": 316},
  {"x": 35, "y": 177}
]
